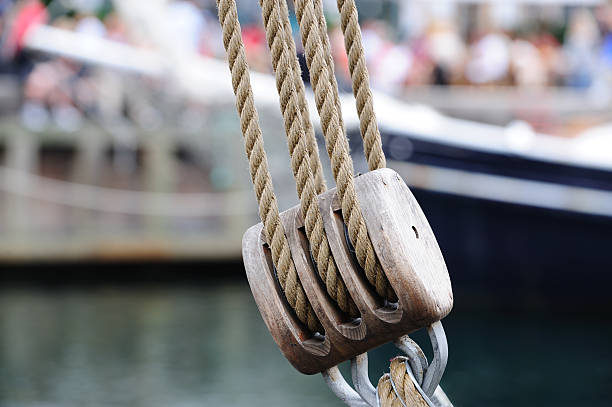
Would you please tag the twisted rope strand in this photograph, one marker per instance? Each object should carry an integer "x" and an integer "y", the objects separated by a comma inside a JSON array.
[
  {"x": 274, "y": 21},
  {"x": 337, "y": 147},
  {"x": 311, "y": 140},
  {"x": 327, "y": 52},
  {"x": 353, "y": 43},
  {"x": 396, "y": 389},
  {"x": 258, "y": 165}
]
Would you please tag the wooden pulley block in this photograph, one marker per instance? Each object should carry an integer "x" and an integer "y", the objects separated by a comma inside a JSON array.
[{"x": 407, "y": 250}]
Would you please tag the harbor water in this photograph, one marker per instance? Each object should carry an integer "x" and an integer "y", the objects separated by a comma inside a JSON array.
[{"x": 205, "y": 344}]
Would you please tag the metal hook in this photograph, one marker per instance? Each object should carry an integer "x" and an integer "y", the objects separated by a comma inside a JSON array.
[
  {"x": 423, "y": 372},
  {"x": 342, "y": 389},
  {"x": 434, "y": 372},
  {"x": 425, "y": 376},
  {"x": 416, "y": 357},
  {"x": 440, "y": 398},
  {"x": 425, "y": 396},
  {"x": 361, "y": 379}
]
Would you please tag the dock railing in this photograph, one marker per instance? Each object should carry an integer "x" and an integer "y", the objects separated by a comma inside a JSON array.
[{"x": 87, "y": 195}]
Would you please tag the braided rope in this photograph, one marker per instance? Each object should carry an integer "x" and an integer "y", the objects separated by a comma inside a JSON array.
[
  {"x": 358, "y": 69},
  {"x": 258, "y": 165},
  {"x": 337, "y": 145},
  {"x": 396, "y": 389},
  {"x": 327, "y": 53},
  {"x": 313, "y": 149},
  {"x": 281, "y": 62}
]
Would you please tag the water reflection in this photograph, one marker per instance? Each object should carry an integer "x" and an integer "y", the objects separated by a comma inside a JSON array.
[{"x": 207, "y": 346}]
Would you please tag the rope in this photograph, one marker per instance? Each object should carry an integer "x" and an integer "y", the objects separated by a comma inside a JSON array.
[
  {"x": 258, "y": 165},
  {"x": 396, "y": 389},
  {"x": 313, "y": 149},
  {"x": 337, "y": 145},
  {"x": 282, "y": 58},
  {"x": 318, "y": 6},
  {"x": 358, "y": 69}
]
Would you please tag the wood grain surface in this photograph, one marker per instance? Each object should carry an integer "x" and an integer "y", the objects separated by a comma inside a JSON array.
[{"x": 407, "y": 250}]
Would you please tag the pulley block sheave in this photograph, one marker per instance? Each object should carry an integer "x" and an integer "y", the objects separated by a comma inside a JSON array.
[{"x": 408, "y": 253}]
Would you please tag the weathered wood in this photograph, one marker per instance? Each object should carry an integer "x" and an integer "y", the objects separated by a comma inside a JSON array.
[{"x": 407, "y": 250}]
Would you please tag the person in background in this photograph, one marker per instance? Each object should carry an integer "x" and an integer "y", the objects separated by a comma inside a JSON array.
[
  {"x": 581, "y": 42},
  {"x": 28, "y": 14},
  {"x": 18, "y": 20},
  {"x": 527, "y": 65},
  {"x": 489, "y": 59},
  {"x": 551, "y": 56},
  {"x": 187, "y": 24},
  {"x": 389, "y": 62},
  {"x": 604, "y": 16},
  {"x": 447, "y": 52},
  {"x": 256, "y": 48}
]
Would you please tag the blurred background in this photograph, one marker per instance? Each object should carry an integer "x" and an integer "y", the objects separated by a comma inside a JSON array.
[{"x": 124, "y": 194}]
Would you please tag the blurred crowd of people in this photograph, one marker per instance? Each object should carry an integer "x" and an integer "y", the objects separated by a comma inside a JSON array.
[
  {"x": 416, "y": 48},
  {"x": 54, "y": 88},
  {"x": 577, "y": 52},
  {"x": 570, "y": 46},
  {"x": 574, "y": 50}
]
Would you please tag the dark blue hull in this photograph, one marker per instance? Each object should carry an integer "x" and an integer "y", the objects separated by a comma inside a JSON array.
[
  {"x": 508, "y": 254},
  {"x": 520, "y": 257}
]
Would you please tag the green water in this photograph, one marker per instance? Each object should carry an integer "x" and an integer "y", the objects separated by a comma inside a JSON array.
[{"x": 207, "y": 346}]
